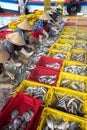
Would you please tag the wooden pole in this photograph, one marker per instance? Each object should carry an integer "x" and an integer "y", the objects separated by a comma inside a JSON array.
[{"x": 47, "y": 5}]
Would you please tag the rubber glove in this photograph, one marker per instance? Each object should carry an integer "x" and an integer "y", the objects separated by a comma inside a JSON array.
[
  {"x": 55, "y": 30},
  {"x": 45, "y": 33}
]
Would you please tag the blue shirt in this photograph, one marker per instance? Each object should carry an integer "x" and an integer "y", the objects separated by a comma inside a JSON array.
[
  {"x": 9, "y": 47},
  {"x": 23, "y": 33},
  {"x": 38, "y": 25},
  {"x": 49, "y": 25}
]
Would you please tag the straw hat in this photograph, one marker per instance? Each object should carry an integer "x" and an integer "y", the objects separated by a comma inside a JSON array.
[
  {"x": 49, "y": 12},
  {"x": 53, "y": 9},
  {"x": 4, "y": 56},
  {"x": 45, "y": 16},
  {"x": 15, "y": 38},
  {"x": 25, "y": 25}
]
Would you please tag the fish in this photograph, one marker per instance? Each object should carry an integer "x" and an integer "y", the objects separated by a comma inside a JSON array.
[
  {"x": 69, "y": 104},
  {"x": 18, "y": 122},
  {"x": 47, "y": 79},
  {"x": 56, "y": 123},
  {"x": 59, "y": 56}
]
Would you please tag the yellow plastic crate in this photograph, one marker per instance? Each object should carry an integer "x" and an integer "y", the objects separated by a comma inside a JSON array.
[
  {"x": 71, "y": 63},
  {"x": 71, "y": 77},
  {"x": 13, "y": 25},
  {"x": 65, "y": 41},
  {"x": 78, "y": 42},
  {"x": 68, "y": 33},
  {"x": 66, "y": 92},
  {"x": 76, "y": 51},
  {"x": 82, "y": 29},
  {"x": 58, "y": 114},
  {"x": 62, "y": 47},
  {"x": 51, "y": 52},
  {"x": 68, "y": 37},
  {"x": 70, "y": 28},
  {"x": 25, "y": 83}
]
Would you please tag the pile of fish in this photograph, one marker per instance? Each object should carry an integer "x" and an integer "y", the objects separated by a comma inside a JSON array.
[
  {"x": 53, "y": 65},
  {"x": 80, "y": 46},
  {"x": 5, "y": 92},
  {"x": 37, "y": 92},
  {"x": 69, "y": 104},
  {"x": 76, "y": 69},
  {"x": 47, "y": 79},
  {"x": 59, "y": 124},
  {"x": 59, "y": 55},
  {"x": 75, "y": 85},
  {"x": 78, "y": 57},
  {"x": 19, "y": 122}
]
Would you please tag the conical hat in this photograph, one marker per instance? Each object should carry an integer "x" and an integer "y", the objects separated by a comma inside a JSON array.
[
  {"x": 15, "y": 38},
  {"x": 53, "y": 9},
  {"x": 49, "y": 12},
  {"x": 25, "y": 25},
  {"x": 45, "y": 16},
  {"x": 59, "y": 7},
  {"x": 4, "y": 56}
]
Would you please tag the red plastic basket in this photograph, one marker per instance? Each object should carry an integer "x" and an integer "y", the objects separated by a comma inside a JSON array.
[
  {"x": 70, "y": 24},
  {"x": 3, "y": 33},
  {"x": 39, "y": 71},
  {"x": 23, "y": 103},
  {"x": 47, "y": 60},
  {"x": 38, "y": 117}
]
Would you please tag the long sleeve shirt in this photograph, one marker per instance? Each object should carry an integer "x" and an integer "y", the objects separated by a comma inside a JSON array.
[
  {"x": 9, "y": 47},
  {"x": 23, "y": 33},
  {"x": 38, "y": 25}
]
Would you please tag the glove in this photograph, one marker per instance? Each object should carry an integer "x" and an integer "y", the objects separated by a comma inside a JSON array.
[
  {"x": 40, "y": 38},
  {"x": 45, "y": 33},
  {"x": 25, "y": 53},
  {"x": 55, "y": 30}
]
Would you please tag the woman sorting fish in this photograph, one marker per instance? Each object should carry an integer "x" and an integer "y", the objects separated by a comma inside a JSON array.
[
  {"x": 41, "y": 28},
  {"x": 24, "y": 28},
  {"x": 13, "y": 43}
]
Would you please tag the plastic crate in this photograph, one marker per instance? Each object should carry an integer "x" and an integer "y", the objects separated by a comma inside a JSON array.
[
  {"x": 58, "y": 114},
  {"x": 70, "y": 24},
  {"x": 23, "y": 103},
  {"x": 80, "y": 41},
  {"x": 72, "y": 63},
  {"x": 68, "y": 33},
  {"x": 51, "y": 52},
  {"x": 3, "y": 33},
  {"x": 25, "y": 83},
  {"x": 61, "y": 47},
  {"x": 74, "y": 94},
  {"x": 67, "y": 37},
  {"x": 38, "y": 118},
  {"x": 82, "y": 29},
  {"x": 70, "y": 28},
  {"x": 71, "y": 77},
  {"x": 65, "y": 41},
  {"x": 47, "y": 60},
  {"x": 78, "y": 52},
  {"x": 39, "y": 71}
]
